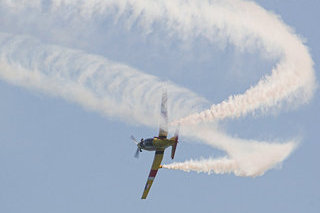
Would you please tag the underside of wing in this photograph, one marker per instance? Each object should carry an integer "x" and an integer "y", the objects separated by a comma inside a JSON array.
[
  {"x": 163, "y": 131},
  {"x": 154, "y": 169}
]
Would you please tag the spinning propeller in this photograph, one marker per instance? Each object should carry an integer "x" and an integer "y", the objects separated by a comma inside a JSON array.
[{"x": 136, "y": 155}]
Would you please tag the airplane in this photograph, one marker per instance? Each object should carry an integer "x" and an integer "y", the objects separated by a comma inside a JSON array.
[{"x": 157, "y": 144}]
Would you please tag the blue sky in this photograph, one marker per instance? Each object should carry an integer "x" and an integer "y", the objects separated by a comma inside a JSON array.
[{"x": 56, "y": 156}]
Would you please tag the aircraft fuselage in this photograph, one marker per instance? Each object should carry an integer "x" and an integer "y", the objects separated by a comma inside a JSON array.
[{"x": 156, "y": 143}]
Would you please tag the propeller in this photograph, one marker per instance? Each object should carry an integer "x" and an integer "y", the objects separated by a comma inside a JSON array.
[
  {"x": 136, "y": 155},
  {"x": 134, "y": 139}
]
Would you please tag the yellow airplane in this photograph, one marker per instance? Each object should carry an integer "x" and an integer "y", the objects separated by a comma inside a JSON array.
[{"x": 157, "y": 144}]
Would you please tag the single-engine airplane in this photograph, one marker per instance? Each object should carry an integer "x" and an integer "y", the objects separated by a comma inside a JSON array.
[{"x": 157, "y": 144}]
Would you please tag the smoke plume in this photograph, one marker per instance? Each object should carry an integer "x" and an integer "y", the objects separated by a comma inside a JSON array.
[{"x": 42, "y": 47}]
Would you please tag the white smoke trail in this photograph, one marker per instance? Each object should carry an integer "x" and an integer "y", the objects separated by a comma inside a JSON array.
[
  {"x": 120, "y": 91},
  {"x": 245, "y": 157},
  {"x": 92, "y": 81},
  {"x": 244, "y": 24},
  {"x": 217, "y": 166}
]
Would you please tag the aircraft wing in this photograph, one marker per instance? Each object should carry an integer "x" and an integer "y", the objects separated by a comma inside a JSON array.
[
  {"x": 154, "y": 169},
  {"x": 163, "y": 131}
]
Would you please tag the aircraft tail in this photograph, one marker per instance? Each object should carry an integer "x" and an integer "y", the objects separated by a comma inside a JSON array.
[{"x": 174, "y": 146}]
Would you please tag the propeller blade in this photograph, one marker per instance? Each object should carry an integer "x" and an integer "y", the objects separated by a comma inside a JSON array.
[
  {"x": 134, "y": 139},
  {"x": 136, "y": 155}
]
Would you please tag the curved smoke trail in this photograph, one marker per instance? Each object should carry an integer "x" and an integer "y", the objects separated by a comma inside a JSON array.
[
  {"x": 93, "y": 81},
  {"x": 244, "y": 158},
  {"x": 121, "y": 91}
]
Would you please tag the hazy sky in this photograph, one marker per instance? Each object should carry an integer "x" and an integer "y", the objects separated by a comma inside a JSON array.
[{"x": 60, "y": 156}]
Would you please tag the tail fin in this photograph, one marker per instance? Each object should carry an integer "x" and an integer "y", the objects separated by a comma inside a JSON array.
[{"x": 174, "y": 146}]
